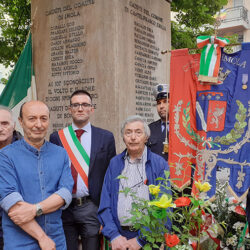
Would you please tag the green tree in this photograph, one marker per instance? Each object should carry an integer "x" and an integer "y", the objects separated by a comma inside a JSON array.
[
  {"x": 193, "y": 18},
  {"x": 14, "y": 26}
]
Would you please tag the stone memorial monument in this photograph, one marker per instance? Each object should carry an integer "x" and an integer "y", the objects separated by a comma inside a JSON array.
[{"x": 111, "y": 48}]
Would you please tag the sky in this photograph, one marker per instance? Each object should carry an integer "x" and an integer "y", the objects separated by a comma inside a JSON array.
[
  {"x": 1, "y": 87},
  {"x": 3, "y": 71}
]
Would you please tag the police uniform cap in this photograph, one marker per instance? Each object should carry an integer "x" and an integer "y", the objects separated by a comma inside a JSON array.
[{"x": 161, "y": 91}]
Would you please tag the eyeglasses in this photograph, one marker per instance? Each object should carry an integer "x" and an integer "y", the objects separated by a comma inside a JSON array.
[
  {"x": 137, "y": 133},
  {"x": 78, "y": 105}
]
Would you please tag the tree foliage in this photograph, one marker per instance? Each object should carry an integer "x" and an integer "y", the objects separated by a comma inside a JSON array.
[
  {"x": 14, "y": 25},
  {"x": 193, "y": 18}
]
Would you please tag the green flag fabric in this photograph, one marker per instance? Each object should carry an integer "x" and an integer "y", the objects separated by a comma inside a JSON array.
[{"x": 21, "y": 84}]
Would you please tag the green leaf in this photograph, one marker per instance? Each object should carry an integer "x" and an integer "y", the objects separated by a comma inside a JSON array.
[
  {"x": 155, "y": 246},
  {"x": 237, "y": 125},
  {"x": 147, "y": 219},
  {"x": 126, "y": 191},
  {"x": 176, "y": 229},
  {"x": 237, "y": 116},
  {"x": 196, "y": 203},
  {"x": 243, "y": 125},
  {"x": 147, "y": 247},
  {"x": 150, "y": 239},
  {"x": 159, "y": 213},
  {"x": 228, "y": 136}
]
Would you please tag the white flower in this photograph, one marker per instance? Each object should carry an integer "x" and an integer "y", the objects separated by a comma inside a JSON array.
[
  {"x": 232, "y": 200},
  {"x": 232, "y": 241},
  {"x": 213, "y": 207},
  {"x": 231, "y": 208},
  {"x": 238, "y": 225},
  {"x": 183, "y": 247}
]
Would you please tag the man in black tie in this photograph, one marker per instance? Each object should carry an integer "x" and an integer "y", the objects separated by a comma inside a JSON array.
[
  {"x": 158, "y": 128},
  {"x": 90, "y": 149}
]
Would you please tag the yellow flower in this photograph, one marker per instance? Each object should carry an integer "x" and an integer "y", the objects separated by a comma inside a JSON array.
[
  {"x": 203, "y": 187},
  {"x": 154, "y": 190},
  {"x": 164, "y": 202}
]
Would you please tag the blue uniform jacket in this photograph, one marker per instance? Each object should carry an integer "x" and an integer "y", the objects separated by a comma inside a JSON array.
[
  {"x": 107, "y": 213},
  {"x": 156, "y": 139}
]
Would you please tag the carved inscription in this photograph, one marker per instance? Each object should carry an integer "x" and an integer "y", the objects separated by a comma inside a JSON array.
[
  {"x": 68, "y": 42},
  {"x": 146, "y": 58}
]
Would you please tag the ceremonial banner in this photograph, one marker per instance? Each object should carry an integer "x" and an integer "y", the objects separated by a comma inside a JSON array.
[
  {"x": 209, "y": 124},
  {"x": 182, "y": 144},
  {"x": 228, "y": 123}
]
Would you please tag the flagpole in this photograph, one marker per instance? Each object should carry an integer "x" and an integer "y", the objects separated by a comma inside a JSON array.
[{"x": 166, "y": 143}]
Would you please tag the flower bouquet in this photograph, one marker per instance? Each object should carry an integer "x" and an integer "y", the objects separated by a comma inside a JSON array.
[
  {"x": 231, "y": 216},
  {"x": 186, "y": 214},
  {"x": 196, "y": 222}
]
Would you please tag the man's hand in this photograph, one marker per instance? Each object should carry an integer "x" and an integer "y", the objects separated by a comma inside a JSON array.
[
  {"x": 120, "y": 243},
  {"x": 100, "y": 230},
  {"x": 46, "y": 243},
  {"x": 133, "y": 244},
  {"x": 22, "y": 212}
]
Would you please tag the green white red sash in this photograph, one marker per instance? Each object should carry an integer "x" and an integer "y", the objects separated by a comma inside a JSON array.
[
  {"x": 78, "y": 156},
  {"x": 210, "y": 57}
]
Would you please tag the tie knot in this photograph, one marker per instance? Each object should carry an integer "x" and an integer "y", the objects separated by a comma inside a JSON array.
[{"x": 79, "y": 133}]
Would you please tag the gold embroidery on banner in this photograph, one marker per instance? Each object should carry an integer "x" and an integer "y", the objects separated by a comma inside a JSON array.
[
  {"x": 209, "y": 157},
  {"x": 216, "y": 116},
  {"x": 238, "y": 129},
  {"x": 177, "y": 111}
]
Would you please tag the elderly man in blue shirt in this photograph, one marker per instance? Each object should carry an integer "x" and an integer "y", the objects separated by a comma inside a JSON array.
[
  {"x": 141, "y": 167},
  {"x": 35, "y": 184}
]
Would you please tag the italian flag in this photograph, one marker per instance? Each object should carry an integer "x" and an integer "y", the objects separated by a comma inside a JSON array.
[
  {"x": 210, "y": 57},
  {"x": 21, "y": 86}
]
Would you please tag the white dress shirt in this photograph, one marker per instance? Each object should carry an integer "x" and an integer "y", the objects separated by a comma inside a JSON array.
[{"x": 81, "y": 189}]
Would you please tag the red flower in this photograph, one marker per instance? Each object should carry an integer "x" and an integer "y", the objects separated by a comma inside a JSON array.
[
  {"x": 182, "y": 202},
  {"x": 171, "y": 240},
  {"x": 240, "y": 210},
  {"x": 194, "y": 245}
]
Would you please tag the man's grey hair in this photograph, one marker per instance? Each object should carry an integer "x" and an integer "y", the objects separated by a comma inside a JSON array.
[
  {"x": 136, "y": 118},
  {"x": 8, "y": 110}
]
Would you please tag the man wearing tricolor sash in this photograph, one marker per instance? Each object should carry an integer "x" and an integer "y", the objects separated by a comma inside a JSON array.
[{"x": 90, "y": 149}]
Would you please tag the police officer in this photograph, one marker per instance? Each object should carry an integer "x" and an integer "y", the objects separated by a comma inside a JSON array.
[{"x": 158, "y": 128}]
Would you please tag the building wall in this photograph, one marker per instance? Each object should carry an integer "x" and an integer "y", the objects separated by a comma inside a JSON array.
[{"x": 237, "y": 20}]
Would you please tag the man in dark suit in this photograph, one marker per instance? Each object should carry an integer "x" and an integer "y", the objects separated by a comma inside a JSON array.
[
  {"x": 90, "y": 151},
  {"x": 158, "y": 128}
]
